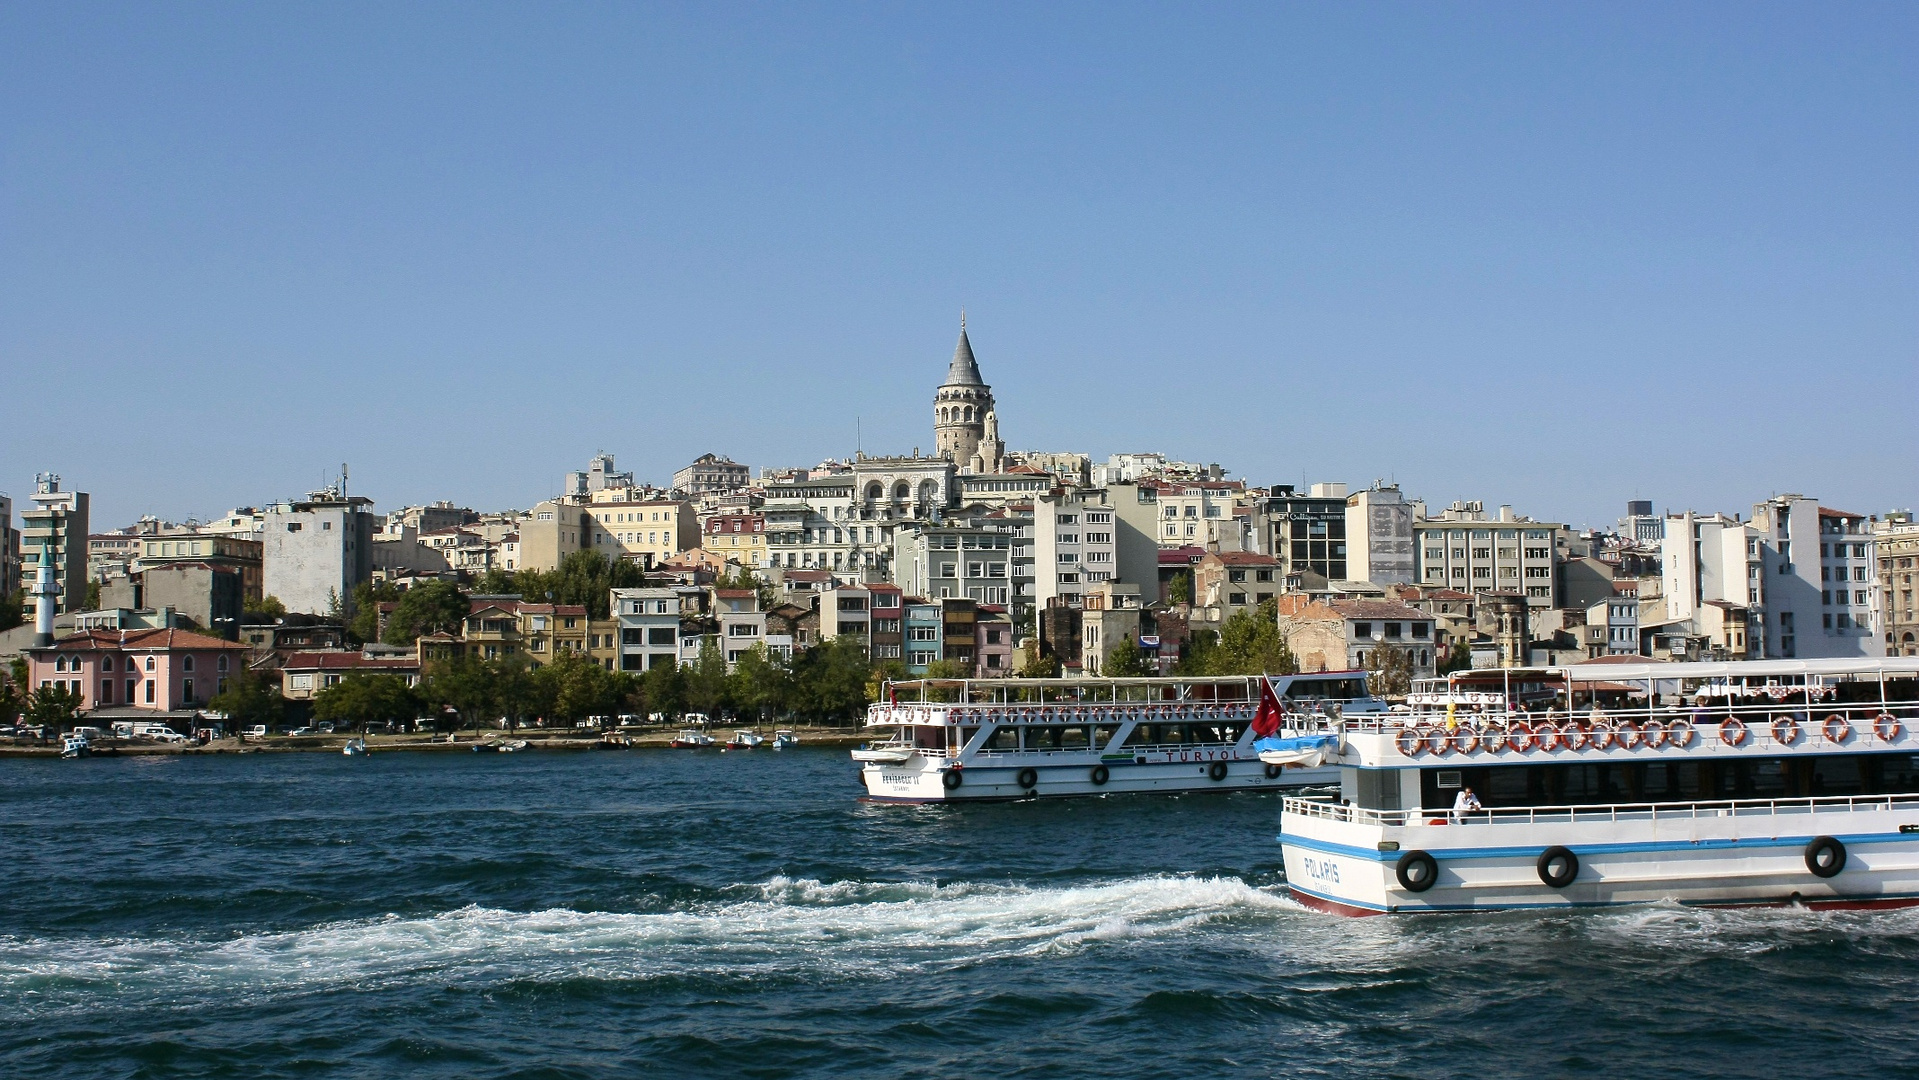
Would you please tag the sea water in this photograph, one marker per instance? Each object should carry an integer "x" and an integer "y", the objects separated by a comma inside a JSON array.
[{"x": 666, "y": 913}]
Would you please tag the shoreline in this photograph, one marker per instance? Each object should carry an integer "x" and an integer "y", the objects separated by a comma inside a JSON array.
[{"x": 465, "y": 741}]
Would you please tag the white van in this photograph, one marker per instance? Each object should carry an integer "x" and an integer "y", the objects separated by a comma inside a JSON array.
[{"x": 257, "y": 731}]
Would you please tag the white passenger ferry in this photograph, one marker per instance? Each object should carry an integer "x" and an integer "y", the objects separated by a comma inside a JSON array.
[
  {"x": 1748, "y": 783},
  {"x": 965, "y": 740}
]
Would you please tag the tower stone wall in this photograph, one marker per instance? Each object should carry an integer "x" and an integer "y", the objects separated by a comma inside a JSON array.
[{"x": 960, "y": 406}]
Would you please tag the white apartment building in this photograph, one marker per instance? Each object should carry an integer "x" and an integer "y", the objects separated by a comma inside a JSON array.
[
  {"x": 649, "y": 627},
  {"x": 971, "y": 559},
  {"x": 846, "y": 522},
  {"x": 1201, "y": 514},
  {"x": 314, "y": 551},
  {"x": 1075, "y": 544},
  {"x": 1463, "y": 549},
  {"x": 1379, "y": 536}
]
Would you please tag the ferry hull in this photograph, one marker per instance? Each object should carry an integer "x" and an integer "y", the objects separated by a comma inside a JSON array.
[
  {"x": 1708, "y": 860},
  {"x": 925, "y": 781}
]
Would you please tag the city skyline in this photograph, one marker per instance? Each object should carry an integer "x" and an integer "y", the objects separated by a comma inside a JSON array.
[{"x": 1532, "y": 260}]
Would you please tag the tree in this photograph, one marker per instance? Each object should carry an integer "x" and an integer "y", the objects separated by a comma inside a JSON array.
[
  {"x": 1197, "y": 657},
  {"x": 250, "y": 699},
  {"x": 584, "y": 577},
  {"x": 706, "y": 680},
  {"x": 664, "y": 690},
  {"x": 10, "y": 609},
  {"x": 578, "y": 687},
  {"x": 426, "y": 609},
  {"x": 265, "y": 610},
  {"x": 762, "y": 682},
  {"x": 1458, "y": 658},
  {"x": 52, "y": 706},
  {"x": 11, "y": 700},
  {"x": 93, "y": 596},
  {"x": 830, "y": 680},
  {"x": 464, "y": 685},
  {"x": 1125, "y": 661},
  {"x": 367, "y": 598},
  {"x": 1180, "y": 589},
  {"x": 1035, "y": 663},
  {"x": 495, "y": 582},
  {"x": 1389, "y": 670},
  {"x": 360, "y": 701},
  {"x": 1250, "y": 644}
]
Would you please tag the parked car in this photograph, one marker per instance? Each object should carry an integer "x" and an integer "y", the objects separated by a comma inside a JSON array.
[
  {"x": 302, "y": 731},
  {"x": 326, "y": 727},
  {"x": 257, "y": 731}
]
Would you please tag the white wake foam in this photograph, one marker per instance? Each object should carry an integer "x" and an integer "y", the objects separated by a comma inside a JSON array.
[{"x": 789, "y": 927}]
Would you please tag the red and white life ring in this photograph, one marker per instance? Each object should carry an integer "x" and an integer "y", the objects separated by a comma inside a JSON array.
[
  {"x": 1785, "y": 730},
  {"x": 1732, "y": 731},
  {"x": 1466, "y": 738},
  {"x": 1603, "y": 733},
  {"x": 1439, "y": 741},
  {"x": 1520, "y": 737},
  {"x": 1550, "y": 737},
  {"x": 1628, "y": 734},
  {"x": 1576, "y": 736},
  {"x": 1887, "y": 727},
  {"x": 1410, "y": 741},
  {"x": 1836, "y": 729},
  {"x": 1680, "y": 734},
  {"x": 1655, "y": 732}
]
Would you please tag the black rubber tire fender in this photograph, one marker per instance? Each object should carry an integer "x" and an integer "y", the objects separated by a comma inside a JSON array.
[
  {"x": 1273, "y": 771},
  {"x": 952, "y": 779},
  {"x": 1100, "y": 775},
  {"x": 1825, "y": 856},
  {"x": 1217, "y": 771},
  {"x": 1027, "y": 778},
  {"x": 1416, "y": 871},
  {"x": 1558, "y": 867}
]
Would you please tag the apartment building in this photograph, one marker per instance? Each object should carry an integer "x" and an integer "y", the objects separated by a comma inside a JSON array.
[
  {"x": 970, "y": 558},
  {"x": 239, "y": 555},
  {"x": 1305, "y": 532},
  {"x": 649, "y": 627},
  {"x": 1464, "y": 549},
  {"x": 1201, "y": 513},
  {"x": 57, "y": 521},
  {"x": 846, "y": 522},
  {"x": 738, "y": 536},
  {"x": 846, "y": 611},
  {"x": 1898, "y": 551},
  {"x": 711, "y": 472},
  {"x": 1075, "y": 544},
  {"x": 924, "y": 634},
  {"x": 1379, "y": 536},
  {"x": 162, "y": 670},
  {"x": 9, "y": 550},
  {"x": 646, "y": 531},
  {"x": 315, "y": 550}
]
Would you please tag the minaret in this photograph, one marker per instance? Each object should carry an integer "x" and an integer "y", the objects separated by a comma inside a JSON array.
[
  {"x": 961, "y": 405},
  {"x": 45, "y": 596}
]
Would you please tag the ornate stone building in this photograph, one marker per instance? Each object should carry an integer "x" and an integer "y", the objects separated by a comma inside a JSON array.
[{"x": 962, "y": 407}]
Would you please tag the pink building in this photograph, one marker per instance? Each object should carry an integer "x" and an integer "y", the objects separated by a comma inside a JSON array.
[{"x": 162, "y": 670}]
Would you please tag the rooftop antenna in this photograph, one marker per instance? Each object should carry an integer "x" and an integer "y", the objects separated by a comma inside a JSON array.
[{"x": 342, "y": 479}]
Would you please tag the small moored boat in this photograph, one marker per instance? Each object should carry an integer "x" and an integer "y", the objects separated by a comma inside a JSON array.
[
  {"x": 690, "y": 739},
  {"x": 784, "y": 738},
  {"x": 354, "y": 748},
  {"x": 745, "y": 740}
]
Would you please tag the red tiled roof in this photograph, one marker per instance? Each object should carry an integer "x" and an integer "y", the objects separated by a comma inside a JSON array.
[
  {"x": 341, "y": 661},
  {"x": 142, "y": 640}
]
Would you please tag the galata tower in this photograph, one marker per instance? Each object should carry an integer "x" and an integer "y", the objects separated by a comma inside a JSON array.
[{"x": 960, "y": 407}]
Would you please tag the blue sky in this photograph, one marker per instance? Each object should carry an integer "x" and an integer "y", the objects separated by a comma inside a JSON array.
[{"x": 1548, "y": 255}]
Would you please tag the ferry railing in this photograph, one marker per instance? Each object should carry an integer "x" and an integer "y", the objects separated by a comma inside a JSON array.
[{"x": 1600, "y": 813}]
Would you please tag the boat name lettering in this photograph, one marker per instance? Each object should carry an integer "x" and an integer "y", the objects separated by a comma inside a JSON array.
[{"x": 1320, "y": 869}]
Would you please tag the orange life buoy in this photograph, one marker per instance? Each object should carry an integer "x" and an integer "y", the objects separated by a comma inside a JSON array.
[
  {"x": 1628, "y": 735},
  {"x": 1603, "y": 734},
  {"x": 1410, "y": 741},
  {"x": 1576, "y": 737},
  {"x": 1785, "y": 730},
  {"x": 1836, "y": 729},
  {"x": 1519, "y": 736},
  {"x": 1466, "y": 738},
  {"x": 1655, "y": 732},
  {"x": 1732, "y": 731},
  {"x": 1680, "y": 734},
  {"x": 1887, "y": 727},
  {"x": 1549, "y": 736},
  {"x": 1438, "y": 741}
]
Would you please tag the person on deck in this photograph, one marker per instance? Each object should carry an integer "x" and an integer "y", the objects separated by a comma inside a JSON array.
[{"x": 1463, "y": 804}]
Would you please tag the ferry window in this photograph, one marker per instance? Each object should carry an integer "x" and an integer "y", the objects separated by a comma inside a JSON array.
[
  {"x": 1071, "y": 738},
  {"x": 1837, "y": 776},
  {"x": 929, "y": 738},
  {"x": 1103, "y": 735},
  {"x": 1003, "y": 738},
  {"x": 1378, "y": 789},
  {"x": 1506, "y": 787}
]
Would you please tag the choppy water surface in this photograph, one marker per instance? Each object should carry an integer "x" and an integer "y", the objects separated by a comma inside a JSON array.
[{"x": 679, "y": 914}]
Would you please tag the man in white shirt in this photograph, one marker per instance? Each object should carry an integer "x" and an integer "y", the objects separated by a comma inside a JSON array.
[{"x": 1463, "y": 804}]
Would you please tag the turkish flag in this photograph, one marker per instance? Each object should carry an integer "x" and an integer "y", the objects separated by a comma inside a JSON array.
[{"x": 1266, "y": 720}]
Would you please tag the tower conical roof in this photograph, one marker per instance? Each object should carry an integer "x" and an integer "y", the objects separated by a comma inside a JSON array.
[{"x": 965, "y": 370}]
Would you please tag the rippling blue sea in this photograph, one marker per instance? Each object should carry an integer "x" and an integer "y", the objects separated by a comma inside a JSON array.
[{"x": 676, "y": 914}]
